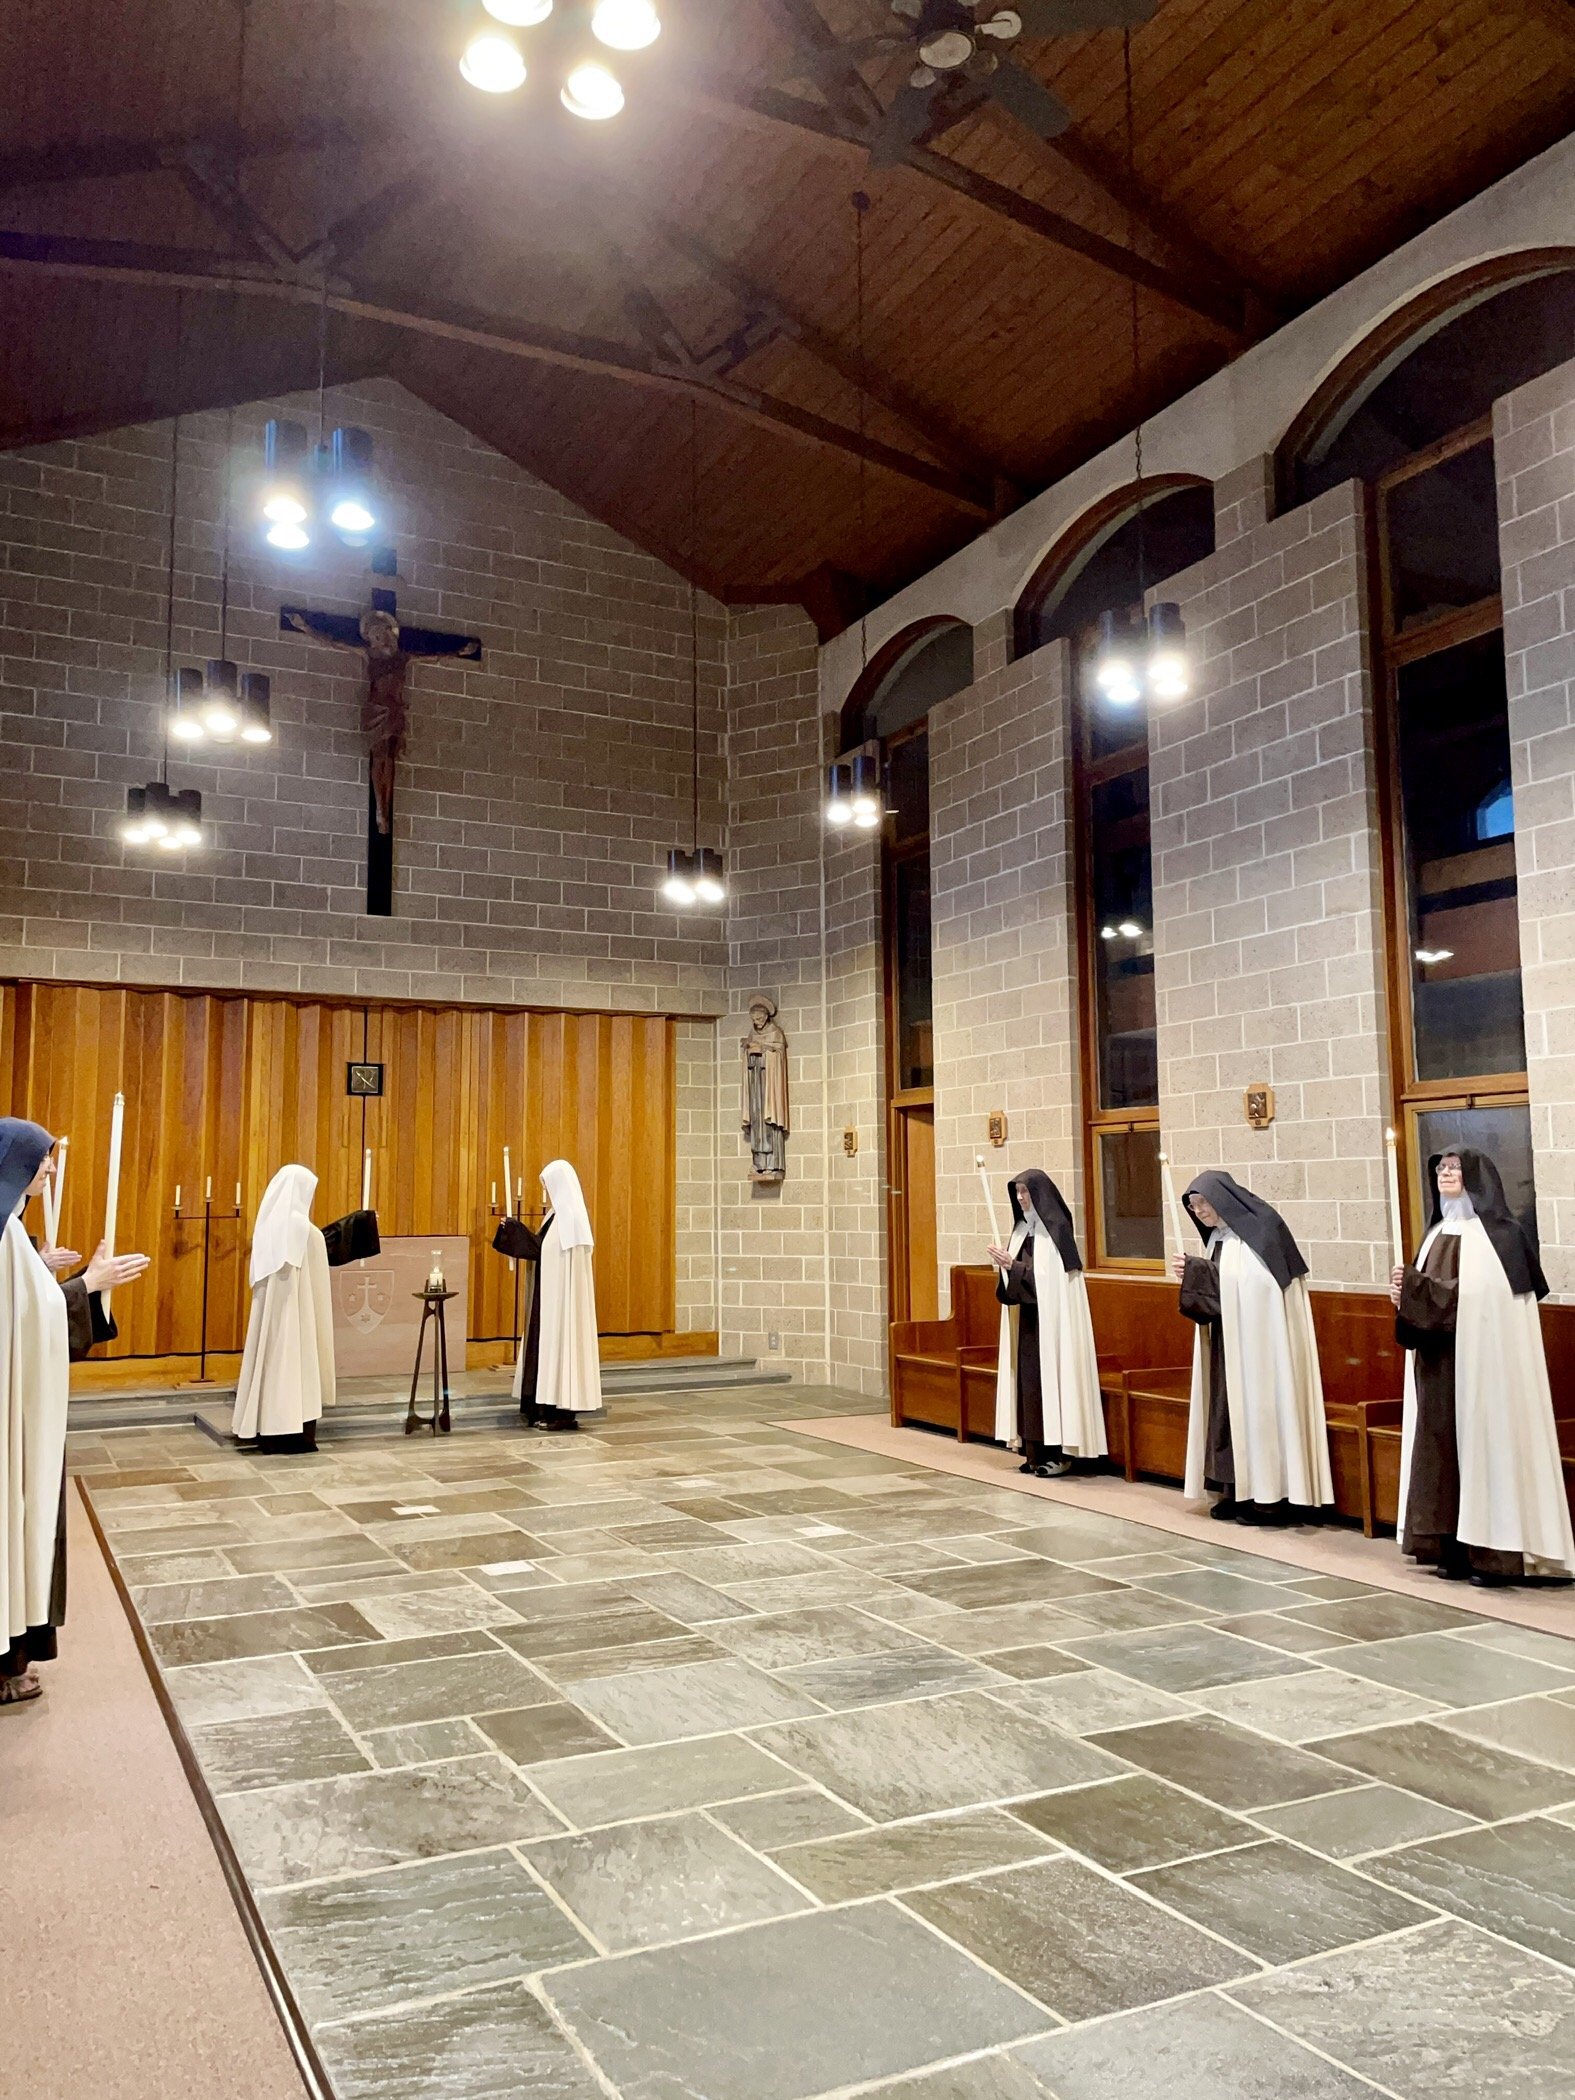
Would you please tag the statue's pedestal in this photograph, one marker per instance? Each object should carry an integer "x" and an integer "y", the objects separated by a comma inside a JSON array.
[{"x": 377, "y": 1306}]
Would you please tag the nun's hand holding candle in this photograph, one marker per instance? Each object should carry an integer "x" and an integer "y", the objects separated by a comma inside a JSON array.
[{"x": 45, "y": 1324}]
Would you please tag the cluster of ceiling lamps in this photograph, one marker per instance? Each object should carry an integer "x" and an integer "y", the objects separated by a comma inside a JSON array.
[
  {"x": 305, "y": 487},
  {"x": 162, "y": 816},
  {"x": 1141, "y": 659},
  {"x": 1123, "y": 930},
  {"x": 853, "y": 793},
  {"x": 495, "y": 63},
  {"x": 694, "y": 878}
]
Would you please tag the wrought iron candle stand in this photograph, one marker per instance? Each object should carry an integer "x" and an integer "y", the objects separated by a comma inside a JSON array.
[
  {"x": 210, "y": 1218},
  {"x": 434, "y": 1300}
]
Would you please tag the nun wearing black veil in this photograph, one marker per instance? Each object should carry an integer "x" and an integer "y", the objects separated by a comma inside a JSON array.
[
  {"x": 1481, "y": 1483},
  {"x": 1047, "y": 1400},
  {"x": 45, "y": 1325},
  {"x": 1257, "y": 1440}
]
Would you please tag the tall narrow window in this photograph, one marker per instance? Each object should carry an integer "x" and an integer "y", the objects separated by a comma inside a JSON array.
[
  {"x": 1115, "y": 882},
  {"x": 1455, "y": 929}
]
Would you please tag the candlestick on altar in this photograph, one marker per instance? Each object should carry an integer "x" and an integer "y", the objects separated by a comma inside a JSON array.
[
  {"x": 1396, "y": 1220},
  {"x": 989, "y": 1202},
  {"x": 117, "y": 1128},
  {"x": 1172, "y": 1204},
  {"x": 366, "y": 1179}
]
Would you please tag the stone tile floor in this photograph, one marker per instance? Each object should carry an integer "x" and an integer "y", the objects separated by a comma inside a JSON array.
[{"x": 696, "y": 1759}]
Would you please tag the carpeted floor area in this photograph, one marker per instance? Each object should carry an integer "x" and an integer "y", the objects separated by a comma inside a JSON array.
[
  {"x": 705, "y": 1756},
  {"x": 124, "y": 1972}
]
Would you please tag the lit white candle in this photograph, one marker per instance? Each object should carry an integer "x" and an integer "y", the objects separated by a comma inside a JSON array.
[
  {"x": 117, "y": 1129},
  {"x": 494, "y": 1195},
  {"x": 1172, "y": 1204},
  {"x": 237, "y": 1197},
  {"x": 1396, "y": 1222},
  {"x": 508, "y": 1178},
  {"x": 989, "y": 1202},
  {"x": 177, "y": 1199},
  {"x": 207, "y": 1194},
  {"x": 366, "y": 1179}
]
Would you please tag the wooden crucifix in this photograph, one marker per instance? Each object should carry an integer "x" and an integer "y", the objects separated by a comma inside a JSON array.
[{"x": 387, "y": 645}]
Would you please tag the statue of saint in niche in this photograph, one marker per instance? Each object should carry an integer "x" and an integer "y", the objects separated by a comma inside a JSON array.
[{"x": 765, "y": 1096}]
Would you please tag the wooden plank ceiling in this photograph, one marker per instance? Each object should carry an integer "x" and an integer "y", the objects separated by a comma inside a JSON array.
[{"x": 175, "y": 177}]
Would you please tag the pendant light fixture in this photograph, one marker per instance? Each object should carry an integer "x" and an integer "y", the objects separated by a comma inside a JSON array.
[
  {"x": 157, "y": 815},
  {"x": 1144, "y": 657},
  {"x": 495, "y": 63},
  {"x": 696, "y": 875},
  {"x": 854, "y": 796}
]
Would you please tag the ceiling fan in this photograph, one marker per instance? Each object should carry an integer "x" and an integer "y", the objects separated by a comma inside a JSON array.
[{"x": 960, "y": 52}]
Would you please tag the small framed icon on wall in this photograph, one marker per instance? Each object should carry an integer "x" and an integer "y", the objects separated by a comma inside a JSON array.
[{"x": 364, "y": 1082}]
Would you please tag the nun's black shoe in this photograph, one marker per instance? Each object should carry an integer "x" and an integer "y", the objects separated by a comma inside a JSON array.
[
  {"x": 1447, "y": 1572},
  {"x": 562, "y": 1420},
  {"x": 1053, "y": 1469},
  {"x": 1489, "y": 1582},
  {"x": 1226, "y": 1510}
]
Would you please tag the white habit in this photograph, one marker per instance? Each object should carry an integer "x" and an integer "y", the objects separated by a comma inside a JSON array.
[
  {"x": 287, "y": 1374},
  {"x": 1074, "y": 1415},
  {"x": 1512, "y": 1497},
  {"x": 1273, "y": 1386},
  {"x": 35, "y": 1388},
  {"x": 568, "y": 1364}
]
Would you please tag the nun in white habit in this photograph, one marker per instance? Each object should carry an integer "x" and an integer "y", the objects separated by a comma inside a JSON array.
[
  {"x": 1481, "y": 1483},
  {"x": 1047, "y": 1400},
  {"x": 287, "y": 1373},
  {"x": 558, "y": 1376},
  {"x": 1257, "y": 1440},
  {"x": 45, "y": 1326}
]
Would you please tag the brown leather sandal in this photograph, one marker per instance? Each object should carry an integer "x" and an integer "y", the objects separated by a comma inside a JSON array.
[{"x": 18, "y": 1690}]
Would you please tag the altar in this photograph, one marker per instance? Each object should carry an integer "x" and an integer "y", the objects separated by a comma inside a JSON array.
[{"x": 377, "y": 1305}]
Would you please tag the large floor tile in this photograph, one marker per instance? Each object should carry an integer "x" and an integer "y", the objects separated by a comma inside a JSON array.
[
  {"x": 1381, "y": 1618},
  {"x": 1081, "y": 1944},
  {"x": 1476, "y": 1778},
  {"x": 162, "y": 1602},
  {"x": 1541, "y": 1728},
  {"x": 445, "y": 1925},
  {"x": 1368, "y": 1819},
  {"x": 1324, "y": 1702},
  {"x": 660, "y": 1706},
  {"x": 692, "y": 1603},
  {"x": 998, "y": 2076},
  {"x": 907, "y": 1855},
  {"x": 1010, "y": 1582},
  {"x": 622, "y": 1784},
  {"x": 239, "y": 1691},
  {"x": 1125, "y": 1824},
  {"x": 993, "y": 1626},
  {"x": 784, "y": 1640},
  {"x": 1279, "y": 1902},
  {"x": 890, "y": 1762},
  {"x": 492, "y": 2045},
  {"x": 1204, "y": 2048},
  {"x": 401, "y": 1616},
  {"x": 534, "y": 1735},
  {"x": 318, "y": 1827},
  {"x": 259, "y": 1633},
  {"x": 397, "y": 1694},
  {"x": 582, "y": 1632},
  {"x": 1458, "y": 1673},
  {"x": 640, "y": 1884},
  {"x": 1185, "y": 1658},
  {"x": 776, "y": 1820},
  {"x": 1441, "y": 2014},
  {"x": 788, "y": 2009},
  {"x": 871, "y": 1680},
  {"x": 1225, "y": 1764},
  {"x": 1517, "y": 1880},
  {"x": 1089, "y": 1701},
  {"x": 275, "y": 1748},
  {"x": 1217, "y": 1589}
]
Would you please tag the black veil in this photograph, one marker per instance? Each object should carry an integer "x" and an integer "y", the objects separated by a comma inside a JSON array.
[
  {"x": 1486, "y": 1190},
  {"x": 1258, "y": 1223},
  {"x": 23, "y": 1149},
  {"x": 1051, "y": 1209}
]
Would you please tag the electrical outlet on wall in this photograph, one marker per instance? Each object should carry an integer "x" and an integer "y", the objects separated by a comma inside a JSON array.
[{"x": 773, "y": 1340}]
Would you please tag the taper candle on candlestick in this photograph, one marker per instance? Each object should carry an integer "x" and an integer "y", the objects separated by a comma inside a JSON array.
[
  {"x": 1172, "y": 1205},
  {"x": 1396, "y": 1221},
  {"x": 237, "y": 1199},
  {"x": 177, "y": 1199},
  {"x": 989, "y": 1202},
  {"x": 117, "y": 1128},
  {"x": 366, "y": 1179},
  {"x": 508, "y": 1179},
  {"x": 207, "y": 1194}
]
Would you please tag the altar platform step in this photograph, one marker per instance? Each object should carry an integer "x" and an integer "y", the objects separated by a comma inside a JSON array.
[{"x": 368, "y": 1407}]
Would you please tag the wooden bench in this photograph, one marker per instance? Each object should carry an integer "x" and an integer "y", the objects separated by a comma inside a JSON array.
[{"x": 943, "y": 1375}]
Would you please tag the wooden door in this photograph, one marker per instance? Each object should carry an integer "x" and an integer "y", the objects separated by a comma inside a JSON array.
[{"x": 915, "y": 1282}]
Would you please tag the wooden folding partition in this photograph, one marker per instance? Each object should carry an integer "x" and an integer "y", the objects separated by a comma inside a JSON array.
[{"x": 231, "y": 1087}]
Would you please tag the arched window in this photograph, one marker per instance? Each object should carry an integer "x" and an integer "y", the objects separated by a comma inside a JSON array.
[
  {"x": 1104, "y": 565},
  {"x": 890, "y": 706},
  {"x": 1410, "y": 413}
]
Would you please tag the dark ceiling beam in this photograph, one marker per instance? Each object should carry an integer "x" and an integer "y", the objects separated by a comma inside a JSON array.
[
  {"x": 133, "y": 262},
  {"x": 374, "y": 215},
  {"x": 844, "y": 85},
  {"x": 1209, "y": 302},
  {"x": 103, "y": 160},
  {"x": 929, "y": 424},
  {"x": 220, "y": 195}
]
